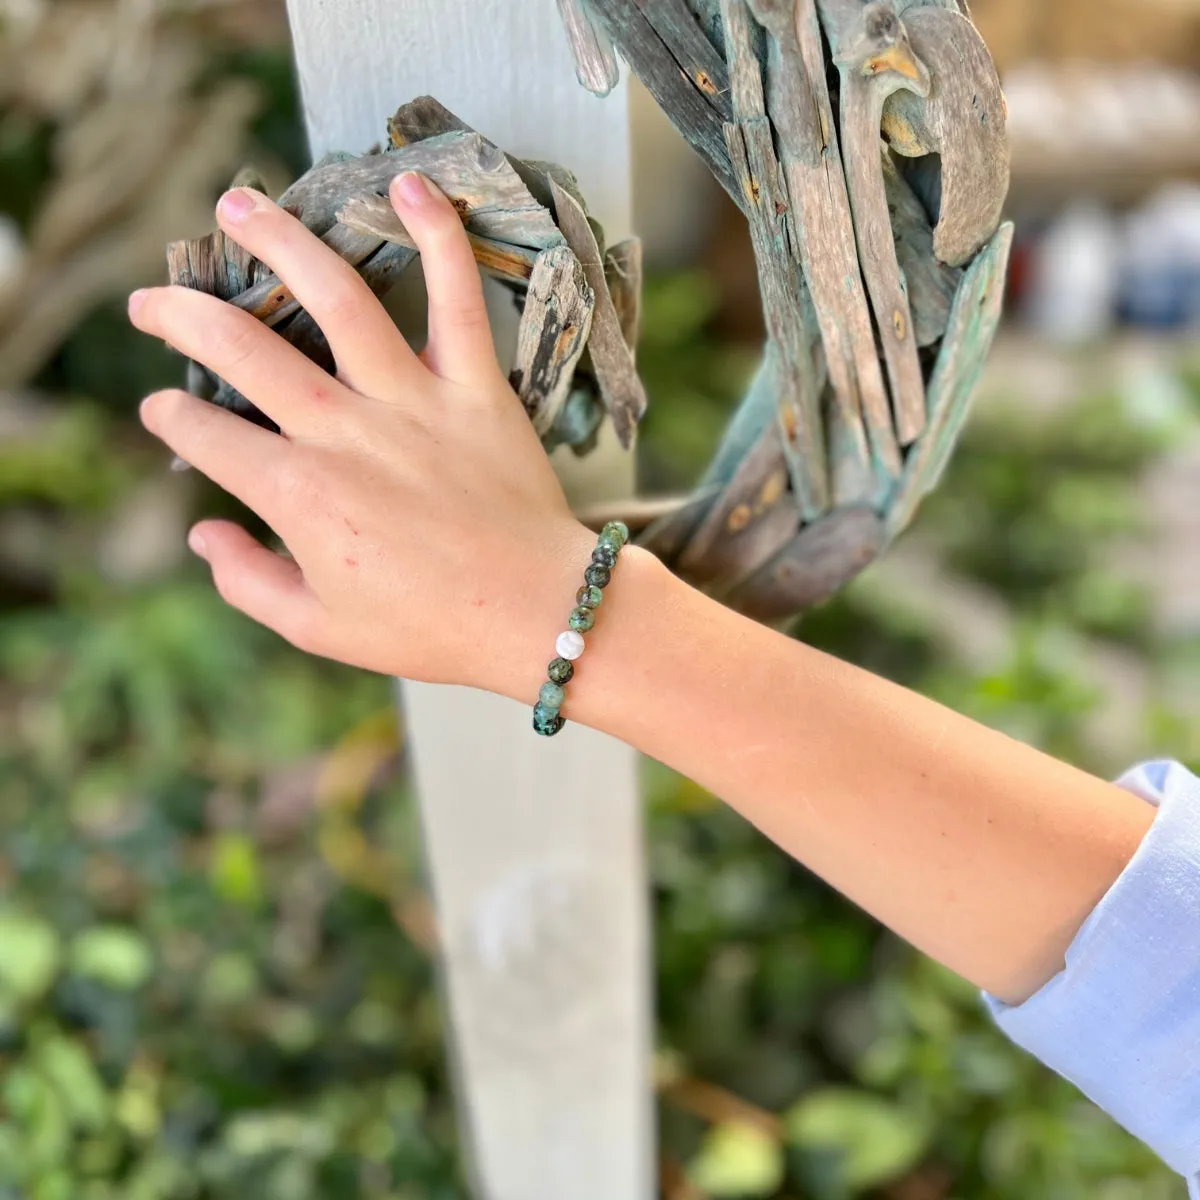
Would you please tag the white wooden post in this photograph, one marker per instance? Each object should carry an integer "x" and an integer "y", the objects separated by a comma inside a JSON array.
[{"x": 534, "y": 845}]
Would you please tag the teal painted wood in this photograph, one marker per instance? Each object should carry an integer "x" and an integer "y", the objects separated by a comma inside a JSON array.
[
  {"x": 800, "y": 110},
  {"x": 752, "y": 152},
  {"x": 973, "y": 323},
  {"x": 875, "y": 60}
]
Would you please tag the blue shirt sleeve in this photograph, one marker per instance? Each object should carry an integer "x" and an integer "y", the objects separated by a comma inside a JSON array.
[{"x": 1122, "y": 1020}]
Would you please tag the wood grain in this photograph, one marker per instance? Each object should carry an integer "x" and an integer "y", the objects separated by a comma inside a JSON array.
[{"x": 555, "y": 324}]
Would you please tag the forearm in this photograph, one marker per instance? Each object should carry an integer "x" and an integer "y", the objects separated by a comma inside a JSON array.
[{"x": 983, "y": 852}]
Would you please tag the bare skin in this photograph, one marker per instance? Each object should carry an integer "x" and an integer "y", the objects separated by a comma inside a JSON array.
[{"x": 428, "y": 537}]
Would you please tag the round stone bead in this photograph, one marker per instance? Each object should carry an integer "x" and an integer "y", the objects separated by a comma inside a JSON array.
[
  {"x": 618, "y": 531},
  {"x": 552, "y": 696},
  {"x": 582, "y": 619},
  {"x": 546, "y": 721},
  {"x": 588, "y": 596},
  {"x": 598, "y": 575},
  {"x": 605, "y": 554},
  {"x": 561, "y": 671},
  {"x": 569, "y": 645}
]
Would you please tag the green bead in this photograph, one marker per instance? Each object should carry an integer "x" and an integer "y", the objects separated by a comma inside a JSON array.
[
  {"x": 546, "y": 721},
  {"x": 618, "y": 531},
  {"x": 588, "y": 596},
  {"x": 605, "y": 554},
  {"x": 551, "y": 696},
  {"x": 582, "y": 619},
  {"x": 598, "y": 575},
  {"x": 561, "y": 670}
]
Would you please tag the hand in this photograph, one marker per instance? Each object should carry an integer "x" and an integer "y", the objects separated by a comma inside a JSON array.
[{"x": 427, "y": 534}]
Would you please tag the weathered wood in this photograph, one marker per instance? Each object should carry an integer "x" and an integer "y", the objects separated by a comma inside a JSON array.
[
  {"x": 931, "y": 285},
  {"x": 467, "y": 167},
  {"x": 553, "y": 335},
  {"x": 973, "y": 324},
  {"x": 668, "y": 534},
  {"x": 374, "y": 216},
  {"x": 800, "y": 110},
  {"x": 875, "y": 60},
  {"x": 623, "y": 272},
  {"x": 753, "y": 517},
  {"x": 214, "y": 264},
  {"x": 679, "y": 94},
  {"x": 964, "y": 120},
  {"x": 752, "y": 155},
  {"x": 595, "y": 59},
  {"x": 421, "y": 119},
  {"x": 814, "y": 566},
  {"x": 620, "y": 384}
]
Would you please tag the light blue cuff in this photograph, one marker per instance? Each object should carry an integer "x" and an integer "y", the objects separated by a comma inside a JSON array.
[{"x": 1122, "y": 1020}]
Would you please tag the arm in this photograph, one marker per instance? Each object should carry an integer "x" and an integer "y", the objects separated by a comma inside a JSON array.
[{"x": 428, "y": 538}]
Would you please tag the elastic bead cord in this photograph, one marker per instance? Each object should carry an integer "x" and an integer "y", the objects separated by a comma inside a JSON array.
[{"x": 547, "y": 712}]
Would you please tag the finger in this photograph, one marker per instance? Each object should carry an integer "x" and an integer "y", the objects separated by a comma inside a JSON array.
[
  {"x": 264, "y": 585},
  {"x": 291, "y": 389},
  {"x": 369, "y": 350},
  {"x": 238, "y": 456},
  {"x": 460, "y": 339}
]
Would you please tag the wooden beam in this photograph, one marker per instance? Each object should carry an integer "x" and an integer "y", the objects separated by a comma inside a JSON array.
[{"x": 534, "y": 845}]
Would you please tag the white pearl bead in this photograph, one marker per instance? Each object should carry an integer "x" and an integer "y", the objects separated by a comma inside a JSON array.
[{"x": 569, "y": 644}]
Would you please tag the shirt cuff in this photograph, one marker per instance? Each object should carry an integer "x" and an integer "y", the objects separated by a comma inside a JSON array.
[{"x": 1122, "y": 1020}]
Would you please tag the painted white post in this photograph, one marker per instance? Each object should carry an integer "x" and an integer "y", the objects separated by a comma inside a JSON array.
[{"x": 534, "y": 845}]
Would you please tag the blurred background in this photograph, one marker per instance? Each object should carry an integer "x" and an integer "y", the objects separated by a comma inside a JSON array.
[{"x": 215, "y": 950}]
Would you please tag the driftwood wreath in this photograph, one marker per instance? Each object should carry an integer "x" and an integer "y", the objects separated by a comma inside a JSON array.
[{"x": 865, "y": 144}]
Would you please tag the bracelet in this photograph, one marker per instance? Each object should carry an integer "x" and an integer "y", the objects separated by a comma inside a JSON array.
[{"x": 547, "y": 716}]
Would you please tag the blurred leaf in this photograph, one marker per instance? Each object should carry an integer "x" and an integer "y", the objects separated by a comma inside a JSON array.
[
  {"x": 738, "y": 1159},
  {"x": 112, "y": 955},
  {"x": 875, "y": 1141},
  {"x": 30, "y": 953}
]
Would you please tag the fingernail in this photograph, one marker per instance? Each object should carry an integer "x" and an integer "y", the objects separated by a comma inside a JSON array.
[
  {"x": 196, "y": 542},
  {"x": 135, "y": 300},
  {"x": 237, "y": 203},
  {"x": 415, "y": 189}
]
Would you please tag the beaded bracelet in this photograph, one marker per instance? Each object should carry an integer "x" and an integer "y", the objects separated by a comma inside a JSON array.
[{"x": 547, "y": 719}]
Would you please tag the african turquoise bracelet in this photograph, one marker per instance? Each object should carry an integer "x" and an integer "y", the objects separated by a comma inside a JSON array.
[{"x": 547, "y": 712}]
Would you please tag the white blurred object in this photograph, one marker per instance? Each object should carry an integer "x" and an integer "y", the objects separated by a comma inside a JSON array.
[
  {"x": 12, "y": 253},
  {"x": 1075, "y": 274},
  {"x": 1161, "y": 259}
]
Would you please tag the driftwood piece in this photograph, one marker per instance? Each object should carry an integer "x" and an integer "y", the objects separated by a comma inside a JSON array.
[
  {"x": 931, "y": 284},
  {"x": 800, "y": 110},
  {"x": 375, "y": 217},
  {"x": 752, "y": 155},
  {"x": 815, "y": 565},
  {"x": 595, "y": 59},
  {"x": 963, "y": 120},
  {"x": 421, "y": 119},
  {"x": 973, "y": 324},
  {"x": 476, "y": 176},
  {"x": 875, "y": 59},
  {"x": 623, "y": 272},
  {"x": 689, "y": 101},
  {"x": 620, "y": 384},
  {"x": 552, "y": 336}
]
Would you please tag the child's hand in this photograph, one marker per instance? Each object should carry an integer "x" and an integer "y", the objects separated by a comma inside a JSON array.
[{"x": 429, "y": 534}]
